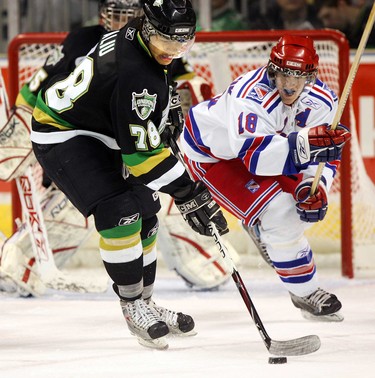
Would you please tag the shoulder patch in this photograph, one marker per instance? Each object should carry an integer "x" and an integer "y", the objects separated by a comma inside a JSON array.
[
  {"x": 327, "y": 88},
  {"x": 259, "y": 91},
  {"x": 55, "y": 57},
  {"x": 143, "y": 104}
]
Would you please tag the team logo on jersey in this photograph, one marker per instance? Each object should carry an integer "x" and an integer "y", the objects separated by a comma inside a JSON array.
[
  {"x": 309, "y": 102},
  {"x": 143, "y": 104},
  {"x": 259, "y": 92},
  {"x": 252, "y": 186},
  {"x": 130, "y": 33}
]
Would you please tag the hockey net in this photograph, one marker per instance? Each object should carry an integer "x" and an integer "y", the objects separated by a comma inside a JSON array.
[{"x": 219, "y": 57}]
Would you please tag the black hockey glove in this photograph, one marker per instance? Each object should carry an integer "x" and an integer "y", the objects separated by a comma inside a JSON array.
[
  {"x": 198, "y": 209},
  {"x": 175, "y": 121},
  {"x": 317, "y": 144}
]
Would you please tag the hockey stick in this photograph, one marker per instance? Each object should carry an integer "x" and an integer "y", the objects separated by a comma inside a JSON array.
[
  {"x": 294, "y": 347},
  {"x": 50, "y": 275},
  {"x": 347, "y": 88}
]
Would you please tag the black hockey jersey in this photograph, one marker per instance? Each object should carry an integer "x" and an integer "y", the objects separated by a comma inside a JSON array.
[{"x": 121, "y": 93}]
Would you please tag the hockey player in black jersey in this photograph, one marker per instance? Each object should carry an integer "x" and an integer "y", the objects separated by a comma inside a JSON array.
[
  {"x": 18, "y": 275},
  {"x": 110, "y": 111}
]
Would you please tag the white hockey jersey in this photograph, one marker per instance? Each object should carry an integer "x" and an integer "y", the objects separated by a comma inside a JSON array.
[{"x": 249, "y": 121}]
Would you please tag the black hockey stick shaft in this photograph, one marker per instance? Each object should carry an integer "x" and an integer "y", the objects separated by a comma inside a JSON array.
[
  {"x": 235, "y": 274},
  {"x": 303, "y": 345},
  {"x": 240, "y": 286}
]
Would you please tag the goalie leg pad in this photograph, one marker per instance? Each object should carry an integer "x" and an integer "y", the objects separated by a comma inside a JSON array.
[
  {"x": 18, "y": 264},
  {"x": 193, "y": 257},
  {"x": 15, "y": 146},
  {"x": 66, "y": 227}
]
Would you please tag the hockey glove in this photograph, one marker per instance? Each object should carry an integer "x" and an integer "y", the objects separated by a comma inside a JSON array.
[
  {"x": 198, "y": 209},
  {"x": 311, "y": 208},
  {"x": 317, "y": 144},
  {"x": 175, "y": 121}
]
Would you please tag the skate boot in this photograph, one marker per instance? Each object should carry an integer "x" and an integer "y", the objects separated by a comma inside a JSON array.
[
  {"x": 254, "y": 233},
  {"x": 319, "y": 305},
  {"x": 179, "y": 324},
  {"x": 144, "y": 323}
]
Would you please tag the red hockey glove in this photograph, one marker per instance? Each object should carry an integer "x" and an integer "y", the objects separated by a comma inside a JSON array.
[
  {"x": 317, "y": 144},
  {"x": 311, "y": 208},
  {"x": 198, "y": 209}
]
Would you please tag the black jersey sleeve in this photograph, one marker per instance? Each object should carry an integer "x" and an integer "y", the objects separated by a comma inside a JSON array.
[{"x": 64, "y": 58}]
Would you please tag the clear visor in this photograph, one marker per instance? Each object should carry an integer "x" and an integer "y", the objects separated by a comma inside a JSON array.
[
  {"x": 173, "y": 46},
  {"x": 114, "y": 19},
  {"x": 309, "y": 76}
]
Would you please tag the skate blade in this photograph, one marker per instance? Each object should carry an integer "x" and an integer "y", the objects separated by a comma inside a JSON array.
[
  {"x": 335, "y": 317},
  {"x": 160, "y": 343},
  {"x": 178, "y": 333}
]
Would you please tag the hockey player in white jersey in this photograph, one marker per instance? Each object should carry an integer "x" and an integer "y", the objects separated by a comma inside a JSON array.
[{"x": 265, "y": 135}]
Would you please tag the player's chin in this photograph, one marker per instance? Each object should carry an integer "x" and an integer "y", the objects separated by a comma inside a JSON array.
[
  {"x": 165, "y": 59},
  {"x": 288, "y": 99}
]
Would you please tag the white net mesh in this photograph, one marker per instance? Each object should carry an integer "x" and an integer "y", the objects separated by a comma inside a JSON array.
[{"x": 220, "y": 63}]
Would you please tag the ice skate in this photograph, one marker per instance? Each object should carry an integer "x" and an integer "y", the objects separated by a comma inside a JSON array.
[
  {"x": 179, "y": 324},
  {"x": 319, "y": 305},
  {"x": 255, "y": 237},
  {"x": 144, "y": 323}
]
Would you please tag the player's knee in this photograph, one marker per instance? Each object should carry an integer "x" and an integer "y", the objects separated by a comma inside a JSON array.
[
  {"x": 120, "y": 215},
  {"x": 280, "y": 222}
]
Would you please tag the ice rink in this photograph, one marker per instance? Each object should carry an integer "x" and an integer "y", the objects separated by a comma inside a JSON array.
[{"x": 84, "y": 335}]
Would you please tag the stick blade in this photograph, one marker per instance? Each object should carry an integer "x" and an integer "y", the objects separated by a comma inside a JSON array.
[{"x": 295, "y": 347}]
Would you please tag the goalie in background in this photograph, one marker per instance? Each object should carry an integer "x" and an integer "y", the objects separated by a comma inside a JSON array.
[
  {"x": 265, "y": 134},
  {"x": 18, "y": 271}
]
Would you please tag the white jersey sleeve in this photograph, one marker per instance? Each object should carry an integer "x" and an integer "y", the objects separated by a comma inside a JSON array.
[{"x": 250, "y": 122}]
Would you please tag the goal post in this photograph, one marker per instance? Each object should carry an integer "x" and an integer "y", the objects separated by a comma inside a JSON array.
[{"x": 220, "y": 57}]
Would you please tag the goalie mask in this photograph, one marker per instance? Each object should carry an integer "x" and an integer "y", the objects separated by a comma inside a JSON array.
[
  {"x": 169, "y": 28},
  {"x": 294, "y": 56},
  {"x": 114, "y": 14}
]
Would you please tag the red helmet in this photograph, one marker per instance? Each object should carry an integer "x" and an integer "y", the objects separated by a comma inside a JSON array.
[{"x": 294, "y": 55}]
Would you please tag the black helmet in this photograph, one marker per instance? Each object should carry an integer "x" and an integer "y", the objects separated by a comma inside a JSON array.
[
  {"x": 114, "y": 14},
  {"x": 171, "y": 17}
]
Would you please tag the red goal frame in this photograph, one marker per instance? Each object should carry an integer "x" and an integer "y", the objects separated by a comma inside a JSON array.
[{"x": 347, "y": 268}]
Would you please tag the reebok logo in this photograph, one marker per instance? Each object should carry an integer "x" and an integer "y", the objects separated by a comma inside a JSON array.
[
  {"x": 126, "y": 221},
  {"x": 301, "y": 148}
]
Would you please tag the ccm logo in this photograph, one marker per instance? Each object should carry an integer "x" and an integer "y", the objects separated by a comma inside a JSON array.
[{"x": 188, "y": 207}]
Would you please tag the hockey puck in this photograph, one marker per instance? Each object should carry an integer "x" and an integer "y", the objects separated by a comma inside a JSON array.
[{"x": 277, "y": 360}]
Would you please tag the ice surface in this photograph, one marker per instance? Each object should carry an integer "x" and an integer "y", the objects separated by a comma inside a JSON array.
[{"x": 84, "y": 335}]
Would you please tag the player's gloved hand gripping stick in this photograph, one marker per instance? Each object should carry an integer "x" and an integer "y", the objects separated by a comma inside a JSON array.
[{"x": 293, "y": 347}]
